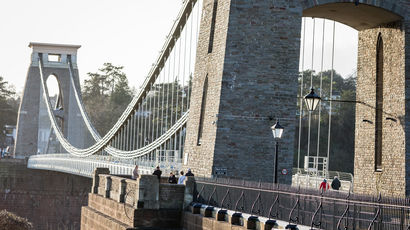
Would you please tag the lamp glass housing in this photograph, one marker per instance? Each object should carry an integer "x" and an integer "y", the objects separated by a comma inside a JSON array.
[
  {"x": 277, "y": 130},
  {"x": 312, "y": 100}
]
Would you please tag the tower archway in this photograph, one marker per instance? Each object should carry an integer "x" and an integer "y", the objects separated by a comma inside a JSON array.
[
  {"x": 380, "y": 93},
  {"x": 252, "y": 72}
]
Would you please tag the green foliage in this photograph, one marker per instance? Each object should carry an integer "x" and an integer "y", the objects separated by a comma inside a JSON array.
[
  {"x": 106, "y": 94},
  {"x": 342, "y": 120},
  {"x": 8, "y": 106}
]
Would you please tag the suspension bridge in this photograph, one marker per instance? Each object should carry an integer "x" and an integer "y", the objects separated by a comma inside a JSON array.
[
  {"x": 151, "y": 130},
  {"x": 227, "y": 72},
  {"x": 218, "y": 85}
]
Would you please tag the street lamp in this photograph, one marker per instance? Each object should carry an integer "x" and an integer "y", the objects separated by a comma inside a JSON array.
[
  {"x": 312, "y": 100},
  {"x": 277, "y": 131}
]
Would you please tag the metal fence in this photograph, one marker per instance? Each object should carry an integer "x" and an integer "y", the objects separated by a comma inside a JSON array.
[{"x": 328, "y": 210}]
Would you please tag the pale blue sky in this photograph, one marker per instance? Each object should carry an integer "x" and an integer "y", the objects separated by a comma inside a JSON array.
[{"x": 123, "y": 32}]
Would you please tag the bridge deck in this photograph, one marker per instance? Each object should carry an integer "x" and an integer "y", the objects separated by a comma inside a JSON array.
[{"x": 85, "y": 166}]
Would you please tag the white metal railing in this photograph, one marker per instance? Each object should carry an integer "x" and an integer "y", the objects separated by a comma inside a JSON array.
[
  {"x": 306, "y": 178},
  {"x": 316, "y": 165},
  {"x": 85, "y": 166}
]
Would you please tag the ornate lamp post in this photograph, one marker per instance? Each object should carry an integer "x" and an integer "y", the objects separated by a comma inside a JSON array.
[
  {"x": 312, "y": 100},
  {"x": 277, "y": 131}
]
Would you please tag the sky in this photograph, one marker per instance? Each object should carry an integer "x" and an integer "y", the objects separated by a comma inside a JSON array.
[{"x": 124, "y": 32}]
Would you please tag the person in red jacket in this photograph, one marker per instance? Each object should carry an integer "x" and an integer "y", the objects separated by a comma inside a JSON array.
[{"x": 324, "y": 185}]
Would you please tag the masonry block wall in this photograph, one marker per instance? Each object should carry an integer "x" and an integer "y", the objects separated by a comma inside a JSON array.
[
  {"x": 251, "y": 70},
  {"x": 252, "y": 73},
  {"x": 120, "y": 203},
  {"x": 391, "y": 179},
  {"x": 49, "y": 200},
  {"x": 406, "y": 27}
]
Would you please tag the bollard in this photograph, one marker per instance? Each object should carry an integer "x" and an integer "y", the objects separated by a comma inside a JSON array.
[
  {"x": 208, "y": 211},
  {"x": 221, "y": 216},
  {"x": 251, "y": 222},
  {"x": 269, "y": 224},
  {"x": 291, "y": 227},
  {"x": 236, "y": 218},
  {"x": 196, "y": 209}
]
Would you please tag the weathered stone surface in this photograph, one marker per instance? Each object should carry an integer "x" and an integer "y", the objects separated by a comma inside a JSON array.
[
  {"x": 391, "y": 180},
  {"x": 155, "y": 205},
  {"x": 92, "y": 219},
  {"x": 50, "y": 200},
  {"x": 252, "y": 74}
]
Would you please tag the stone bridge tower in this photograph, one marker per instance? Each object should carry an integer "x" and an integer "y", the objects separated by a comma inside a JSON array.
[
  {"x": 33, "y": 125},
  {"x": 246, "y": 73}
]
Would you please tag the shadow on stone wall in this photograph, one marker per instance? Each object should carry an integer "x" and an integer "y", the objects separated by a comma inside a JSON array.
[{"x": 48, "y": 199}]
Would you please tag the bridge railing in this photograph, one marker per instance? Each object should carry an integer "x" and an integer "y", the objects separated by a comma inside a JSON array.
[
  {"x": 327, "y": 210},
  {"x": 85, "y": 166},
  {"x": 311, "y": 179}
]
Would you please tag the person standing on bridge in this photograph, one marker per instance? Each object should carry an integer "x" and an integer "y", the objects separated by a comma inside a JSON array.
[
  {"x": 189, "y": 173},
  {"x": 336, "y": 183},
  {"x": 172, "y": 179},
  {"x": 181, "y": 178},
  {"x": 135, "y": 173},
  {"x": 158, "y": 173},
  {"x": 324, "y": 185}
]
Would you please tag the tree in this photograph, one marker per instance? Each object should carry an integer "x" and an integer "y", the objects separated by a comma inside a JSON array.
[
  {"x": 8, "y": 107},
  {"x": 342, "y": 121},
  {"x": 106, "y": 94}
]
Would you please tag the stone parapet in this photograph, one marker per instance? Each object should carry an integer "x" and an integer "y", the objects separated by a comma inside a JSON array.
[
  {"x": 124, "y": 203},
  {"x": 144, "y": 192},
  {"x": 171, "y": 196},
  {"x": 147, "y": 193},
  {"x": 116, "y": 215}
]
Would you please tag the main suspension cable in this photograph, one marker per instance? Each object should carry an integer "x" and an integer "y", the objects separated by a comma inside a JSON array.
[{"x": 301, "y": 91}]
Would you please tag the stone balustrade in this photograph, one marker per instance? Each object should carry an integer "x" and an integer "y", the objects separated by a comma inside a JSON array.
[{"x": 145, "y": 192}]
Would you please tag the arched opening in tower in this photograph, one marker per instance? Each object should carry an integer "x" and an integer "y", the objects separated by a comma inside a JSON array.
[
  {"x": 336, "y": 58},
  {"x": 47, "y": 141},
  {"x": 54, "y": 93}
]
